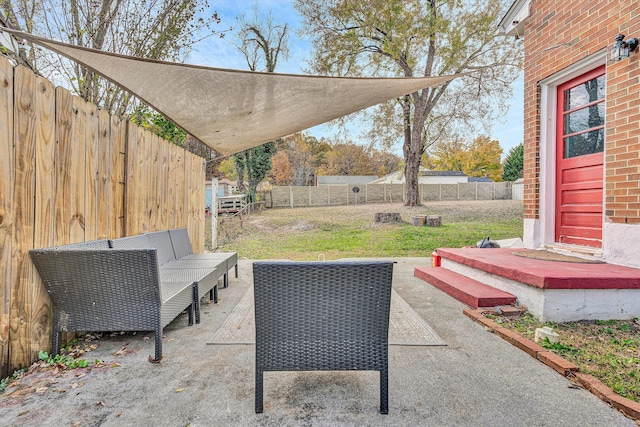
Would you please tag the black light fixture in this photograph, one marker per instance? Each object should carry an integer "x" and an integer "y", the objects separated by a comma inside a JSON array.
[{"x": 622, "y": 48}]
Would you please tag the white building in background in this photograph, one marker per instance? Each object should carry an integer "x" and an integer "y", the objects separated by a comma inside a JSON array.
[
  {"x": 425, "y": 176},
  {"x": 344, "y": 179}
]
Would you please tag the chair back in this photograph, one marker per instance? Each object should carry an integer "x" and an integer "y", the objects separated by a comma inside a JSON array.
[{"x": 322, "y": 315}]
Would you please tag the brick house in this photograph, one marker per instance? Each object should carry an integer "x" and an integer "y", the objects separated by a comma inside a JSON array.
[{"x": 581, "y": 126}]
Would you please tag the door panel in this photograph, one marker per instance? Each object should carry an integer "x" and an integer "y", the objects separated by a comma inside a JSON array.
[{"x": 579, "y": 159}]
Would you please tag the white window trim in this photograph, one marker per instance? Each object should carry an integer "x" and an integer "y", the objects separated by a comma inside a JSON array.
[{"x": 548, "y": 102}]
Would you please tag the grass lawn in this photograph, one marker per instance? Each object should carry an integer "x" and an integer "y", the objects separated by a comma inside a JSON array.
[
  {"x": 348, "y": 231},
  {"x": 610, "y": 351}
]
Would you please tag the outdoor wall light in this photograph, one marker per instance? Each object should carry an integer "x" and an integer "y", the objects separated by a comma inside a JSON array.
[{"x": 622, "y": 48}]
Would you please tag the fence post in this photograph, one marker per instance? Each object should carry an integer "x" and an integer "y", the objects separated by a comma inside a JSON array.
[{"x": 291, "y": 196}]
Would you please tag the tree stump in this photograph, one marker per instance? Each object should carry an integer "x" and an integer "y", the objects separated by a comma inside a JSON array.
[
  {"x": 384, "y": 217},
  {"x": 418, "y": 220},
  {"x": 434, "y": 221}
]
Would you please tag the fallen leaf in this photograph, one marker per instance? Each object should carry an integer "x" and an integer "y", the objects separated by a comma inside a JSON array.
[
  {"x": 118, "y": 413},
  {"x": 115, "y": 365},
  {"x": 76, "y": 424},
  {"x": 101, "y": 403},
  {"x": 23, "y": 413},
  {"x": 61, "y": 391},
  {"x": 81, "y": 375},
  {"x": 74, "y": 386},
  {"x": 180, "y": 390},
  {"x": 171, "y": 339},
  {"x": 146, "y": 338},
  {"x": 41, "y": 390},
  {"x": 121, "y": 351}
]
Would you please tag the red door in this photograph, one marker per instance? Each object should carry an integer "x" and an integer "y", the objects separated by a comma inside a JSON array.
[{"x": 579, "y": 154}]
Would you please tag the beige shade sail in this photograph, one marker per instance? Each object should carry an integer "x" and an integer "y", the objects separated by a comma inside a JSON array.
[{"x": 233, "y": 110}]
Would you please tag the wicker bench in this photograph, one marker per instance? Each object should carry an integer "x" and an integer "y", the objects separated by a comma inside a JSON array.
[
  {"x": 96, "y": 288},
  {"x": 182, "y": 250},
  {"x": 175, "y": 264},
  {"x": 322, "y": 316}
]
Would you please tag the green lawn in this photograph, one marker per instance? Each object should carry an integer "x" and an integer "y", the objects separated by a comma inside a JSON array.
[{"x": 346, "y": 232}]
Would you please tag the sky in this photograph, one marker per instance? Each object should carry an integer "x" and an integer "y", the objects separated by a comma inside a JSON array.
[{"x": 221, "y": 52}]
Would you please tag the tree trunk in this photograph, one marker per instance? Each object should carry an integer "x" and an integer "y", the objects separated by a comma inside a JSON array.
[
  {"x": 434, "y": 221},
  {"x": 412, "y": 164},
  {"x": 384, "y": 217}
]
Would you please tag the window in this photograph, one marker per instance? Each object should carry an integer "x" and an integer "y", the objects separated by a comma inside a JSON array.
[{"x": 583, "y": 118}]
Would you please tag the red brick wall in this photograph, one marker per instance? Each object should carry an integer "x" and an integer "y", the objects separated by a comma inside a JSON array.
[{"x": 558, "y": 34}]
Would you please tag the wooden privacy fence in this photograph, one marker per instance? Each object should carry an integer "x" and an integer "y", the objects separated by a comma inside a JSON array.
[
  {"x": 325, "y": 195},
  {"x": 69, "y": 172}
]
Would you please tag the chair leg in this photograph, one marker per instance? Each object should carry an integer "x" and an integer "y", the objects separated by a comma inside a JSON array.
[
  {"x": 214, "y": 295},
  {"x": 259, "y": 391},
  {"x": 384, "y": 391}
]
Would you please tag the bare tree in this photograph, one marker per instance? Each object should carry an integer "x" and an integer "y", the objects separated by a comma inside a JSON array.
[
  {"x": 415, "y": 38},
  {"x": 263, "y": 43},
  {"x": 155, "y": 29}
]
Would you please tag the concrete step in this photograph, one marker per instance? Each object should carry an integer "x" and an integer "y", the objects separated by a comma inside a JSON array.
[{"x": 462, "y": 288}]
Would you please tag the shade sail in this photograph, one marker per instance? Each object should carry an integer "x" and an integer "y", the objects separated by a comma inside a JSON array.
[{"x": 233, "y": 110}]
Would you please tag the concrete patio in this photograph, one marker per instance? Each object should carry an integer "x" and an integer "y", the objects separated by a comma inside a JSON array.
[{"x": 478, "y": 379}]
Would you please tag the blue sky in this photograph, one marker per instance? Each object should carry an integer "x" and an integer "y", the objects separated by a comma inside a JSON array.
[{"x": 217, "y": 52}]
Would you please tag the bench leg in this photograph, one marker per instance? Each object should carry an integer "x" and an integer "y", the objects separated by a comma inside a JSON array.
[
  {"x": 226, "y": 280},
  {"x": 259, "y": 391},
  {"x": 158, "y": 355},
  {"x": 196, "y": 303},
  {"x": 384, "y": 391},
  {"x": 213, "y": 294},
  {"x": 190, "y": 311},
  {"x": 55, "y": 345},
  {"x": 236, "y": 268}
]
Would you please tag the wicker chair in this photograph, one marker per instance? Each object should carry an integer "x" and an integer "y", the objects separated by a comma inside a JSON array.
[
  {"x": 110, "y": 290},
  {"x": 322, "y": 316}
]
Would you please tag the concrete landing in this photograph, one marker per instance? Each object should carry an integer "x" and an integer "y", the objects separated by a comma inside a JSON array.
[
  {"x": 544, "y": 274},
  {"x": 464, "y": 289}
]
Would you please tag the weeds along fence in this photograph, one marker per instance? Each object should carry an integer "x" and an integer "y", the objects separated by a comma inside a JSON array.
[
  {"x": 71, "y": 173},
  {"x": 292, "y": 197}
]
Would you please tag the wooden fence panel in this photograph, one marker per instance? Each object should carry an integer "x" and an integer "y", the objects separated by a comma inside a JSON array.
[
  {"x": 70, "y": 173},
  {"x": 78, "y": 168},
  {"x": 172, "y": 160},
  {"x": 44, "y": 226},
  {"x": 130, "y": 206},
  {"x": 62, "y": 204},
  {"x": 20, "y": 334},
  {"x": 92, "y": 176},
  {"x": 161, "y": 187},
  {"x": 153, "y": 142},
  {"x": 106, "y": 188},
  {"x": 7, "y": 178},
  {"x": 119, "y": 129},
  {"x": 145, "y": 176}
]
